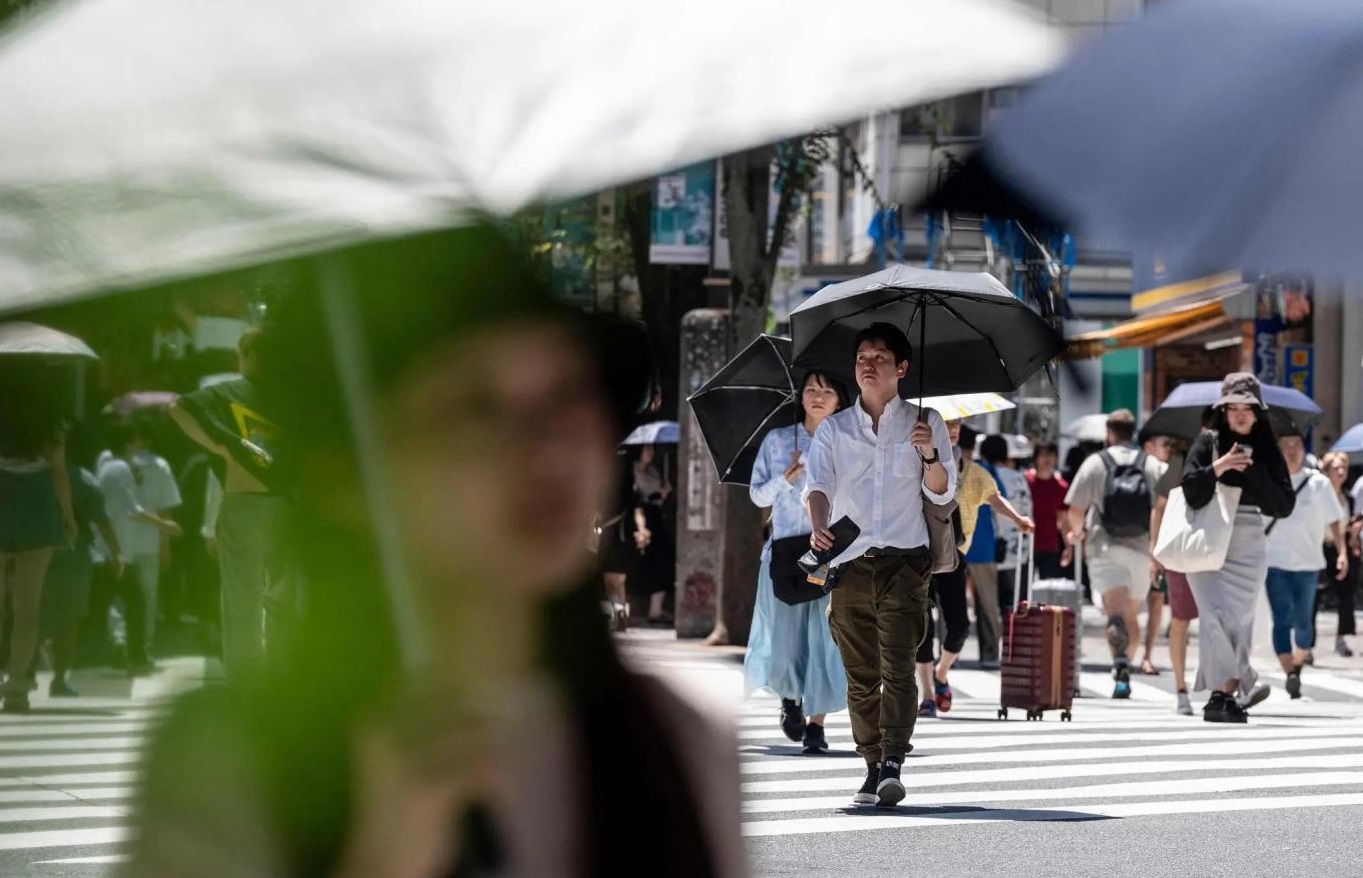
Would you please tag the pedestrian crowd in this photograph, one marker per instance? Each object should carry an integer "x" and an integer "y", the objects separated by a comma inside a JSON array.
[
  {"x": 877, "y": 459},
  {"x": 100, "y": 553}
]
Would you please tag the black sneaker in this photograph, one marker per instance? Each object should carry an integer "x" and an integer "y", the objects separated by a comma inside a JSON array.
[
  {"x": 867, "y": 794},
  {"x": 1122, "y": 674},
  {"x": 1294, "y": 684},
  {"x": 815, "y": 742},
  {"x": 15, "y": 702},
  {"x": 792, "y": 720},
  {"x": 1233, "y": 712},
  {"x": 890, "y": 789},
  {"x": 1215, "y": 709},
  {"x": 61, "y": 689}
]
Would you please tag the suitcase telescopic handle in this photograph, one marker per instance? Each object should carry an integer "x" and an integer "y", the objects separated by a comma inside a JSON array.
[{"x": 1030, "y": 540}]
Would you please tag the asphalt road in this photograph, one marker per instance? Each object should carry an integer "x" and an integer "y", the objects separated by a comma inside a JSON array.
[{"x": 1127, "y": 788}]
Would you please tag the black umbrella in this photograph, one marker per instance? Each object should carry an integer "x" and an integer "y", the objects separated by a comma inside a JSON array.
[
  {"x": 753, "y": 394},
  {"x": 1289, "y": 410},
  {"x": 970, "y": 334}
]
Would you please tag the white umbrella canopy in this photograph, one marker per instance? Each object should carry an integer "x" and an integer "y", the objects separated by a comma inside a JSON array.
[
  {"x": 1087, "y": 428},
  {"x": 21, "y": 338},
  {"x": 149, "y": 140},
  {"x": 959, "y": 406}
]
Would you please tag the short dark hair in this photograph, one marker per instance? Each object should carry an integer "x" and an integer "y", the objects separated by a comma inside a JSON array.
[
  {"x": 1122, "y": 423},
  {"x": 1045, "y": 448},
  {"x": 121, "y": 433},
  {"x": 968, "y": 438},
  {"x": 894, "y": 339},
  {"x": 994, "y": 449}
]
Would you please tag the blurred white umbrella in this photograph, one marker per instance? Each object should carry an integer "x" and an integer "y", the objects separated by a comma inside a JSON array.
[
  {"x": 959, "y": 406},
  {"x": 20, "y": 338},
  {"x": 147, "y": 140},
  {"x": 1088, "y": 428}
]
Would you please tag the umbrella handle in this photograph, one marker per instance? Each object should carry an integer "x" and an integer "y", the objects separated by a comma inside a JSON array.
[{"x": 922, "y": 357}]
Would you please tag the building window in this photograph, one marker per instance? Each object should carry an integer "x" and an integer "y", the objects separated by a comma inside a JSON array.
[{"x": 958, "y": 117}]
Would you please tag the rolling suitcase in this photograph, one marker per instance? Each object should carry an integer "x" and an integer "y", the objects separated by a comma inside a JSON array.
[{"x": 1039, "y": 663}]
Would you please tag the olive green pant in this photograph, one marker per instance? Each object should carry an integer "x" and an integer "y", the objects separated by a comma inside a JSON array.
[{"x": 879, "y": 616}]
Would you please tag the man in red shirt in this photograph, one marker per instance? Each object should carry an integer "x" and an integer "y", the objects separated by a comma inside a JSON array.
[{"x": 1048, "y": 504}]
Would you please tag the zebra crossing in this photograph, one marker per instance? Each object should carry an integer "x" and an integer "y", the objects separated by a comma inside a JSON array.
[
  {"x": 1115, "y": 760},
  {"x": 68, "y": 770}
]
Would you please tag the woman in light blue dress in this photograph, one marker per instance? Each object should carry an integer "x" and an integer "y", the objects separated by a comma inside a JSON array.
[{"x": 790, "y": 648}]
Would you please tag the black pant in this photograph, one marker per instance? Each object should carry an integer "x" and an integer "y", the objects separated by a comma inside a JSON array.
[
  {"x": 1048, "y": 566},
  {"x": 948, "y": 591},
  {"x": 1343, "y": 592},
  {"x": 104, "y": 589}
]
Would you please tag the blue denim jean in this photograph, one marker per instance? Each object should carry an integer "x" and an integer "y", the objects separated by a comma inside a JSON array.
[{"x": 1291, "y": 597}]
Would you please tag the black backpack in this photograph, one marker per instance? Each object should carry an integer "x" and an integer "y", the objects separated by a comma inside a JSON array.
[{"x": 1127, "y": 499}]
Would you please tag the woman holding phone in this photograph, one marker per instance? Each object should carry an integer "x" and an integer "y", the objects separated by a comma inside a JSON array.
[{"x": 1238, "y": 451}]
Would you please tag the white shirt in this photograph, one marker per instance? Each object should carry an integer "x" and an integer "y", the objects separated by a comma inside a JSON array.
[
  {"x": 1019, "y": 494},
  {"x": 1295, "y": 543},
  {"x": 145, "y": 485},
  {"x": 876, "y": 479},
  {"x": 1357, "y": 494}
]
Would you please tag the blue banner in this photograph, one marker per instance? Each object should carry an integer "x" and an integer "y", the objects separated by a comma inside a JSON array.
[{"x": 1299, "y": 368}]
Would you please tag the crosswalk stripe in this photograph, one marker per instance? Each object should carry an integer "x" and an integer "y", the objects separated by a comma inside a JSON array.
[
  {"x": 873, "y": 820},
  {"x": 72, "y": 812},
  {"x": 1188, "y": 786},
  {"x": 48, "y": 795},
  {"x": 69, "y": 760},
  {"x": 1328, "y": 682},
  {"x": 62, "y": 744},
  {"x": 999, "y": 776},
  {"x": 1063, "y": 735},
  {"x": 64, "y": 838},
  {"x": 1061, "y": 754},
  {"x": 104, "y": 728},
  {"x": 85, "y": 777}
]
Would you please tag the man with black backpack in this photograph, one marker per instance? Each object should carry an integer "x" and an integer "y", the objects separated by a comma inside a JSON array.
[{"x": 1110, "y": 501}]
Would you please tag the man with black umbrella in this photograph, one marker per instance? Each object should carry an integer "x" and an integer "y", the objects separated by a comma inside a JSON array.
[{"x": 877, "y": 463}]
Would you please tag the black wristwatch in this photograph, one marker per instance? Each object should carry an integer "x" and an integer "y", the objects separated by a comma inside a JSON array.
[{"x": 929, "y": 461}]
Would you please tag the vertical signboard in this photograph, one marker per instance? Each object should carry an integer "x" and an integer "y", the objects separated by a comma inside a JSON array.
[
  {"x": 1267, "y": 325},
  {"x": 682, "y": 223}
]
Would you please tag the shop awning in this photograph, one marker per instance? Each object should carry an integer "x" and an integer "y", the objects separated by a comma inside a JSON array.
[
  {"x": 1158, "y": 329},
  {"x": 1172, "y": 297}
]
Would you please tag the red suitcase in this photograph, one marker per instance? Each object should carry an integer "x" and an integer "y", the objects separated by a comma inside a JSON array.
[{"x": 1038, "y": 661}]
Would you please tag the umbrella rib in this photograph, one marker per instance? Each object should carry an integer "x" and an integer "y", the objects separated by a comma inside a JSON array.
[
  {"x": 761, "y": 427},
  {"x": 957, "y": 314}
]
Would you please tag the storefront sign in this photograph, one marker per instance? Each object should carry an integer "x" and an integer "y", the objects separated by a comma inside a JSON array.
[{"x": 1299, "y": 368}]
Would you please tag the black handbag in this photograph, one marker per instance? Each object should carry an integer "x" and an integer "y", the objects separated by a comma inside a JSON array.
[{"x": 790, "y": 583}]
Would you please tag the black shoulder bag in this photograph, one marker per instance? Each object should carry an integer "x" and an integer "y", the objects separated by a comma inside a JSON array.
[{"x": 788, "y": 581}]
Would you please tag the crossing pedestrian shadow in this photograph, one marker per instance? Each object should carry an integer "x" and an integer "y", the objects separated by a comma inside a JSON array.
[
  {"x": 976, "y": 813},
  {"x": 793, "y": 750}
]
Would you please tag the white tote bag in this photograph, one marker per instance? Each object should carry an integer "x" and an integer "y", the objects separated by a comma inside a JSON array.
[{"x": 1196, "y": 540}]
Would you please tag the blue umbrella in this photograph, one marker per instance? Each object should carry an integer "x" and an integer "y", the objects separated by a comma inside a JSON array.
[
  {"x": 656, "y": 433},
  {"x": 1215, "y": 133},
  {"x": 1351, "y": 442},
  {"x": 1181, "y": 413}
]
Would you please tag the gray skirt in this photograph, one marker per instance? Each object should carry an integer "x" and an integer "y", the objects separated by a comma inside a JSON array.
[{"x": 1226, "y": 600}]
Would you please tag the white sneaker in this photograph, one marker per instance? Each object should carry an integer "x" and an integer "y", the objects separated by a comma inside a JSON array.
[
  {"x": 1185, "y": 704},
  {"x": 1255, "y": 696}
]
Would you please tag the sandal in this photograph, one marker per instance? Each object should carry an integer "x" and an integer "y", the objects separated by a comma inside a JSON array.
[
  {"x": 1148, "y": 668},
  {"x": 941, "y": 692}
]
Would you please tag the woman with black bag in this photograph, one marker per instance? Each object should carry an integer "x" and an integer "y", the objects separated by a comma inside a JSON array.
[{"x": 790, "y": 646}]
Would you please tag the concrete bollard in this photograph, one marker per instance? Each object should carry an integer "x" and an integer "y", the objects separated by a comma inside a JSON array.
[{"x": 700, "y": 498}]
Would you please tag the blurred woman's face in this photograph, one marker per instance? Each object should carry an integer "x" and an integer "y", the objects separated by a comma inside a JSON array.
[
  {"x": 501, "y": 449},
  {"x": 1240, "y": 418},
  {"x": 1338, "y": 471}
]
